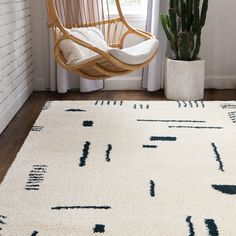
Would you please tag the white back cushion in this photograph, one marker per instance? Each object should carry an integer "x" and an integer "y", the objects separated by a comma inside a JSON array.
[{"x": 74, "y": 53}]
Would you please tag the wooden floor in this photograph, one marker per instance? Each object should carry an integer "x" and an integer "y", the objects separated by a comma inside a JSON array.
[{"x": 14, "y": 135}]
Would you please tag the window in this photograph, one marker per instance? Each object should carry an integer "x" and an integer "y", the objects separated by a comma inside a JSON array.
[{"x": 132, "y": 7}]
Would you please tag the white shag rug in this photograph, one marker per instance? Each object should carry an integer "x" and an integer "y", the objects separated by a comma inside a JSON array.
[{"x": 124, "y": 169}]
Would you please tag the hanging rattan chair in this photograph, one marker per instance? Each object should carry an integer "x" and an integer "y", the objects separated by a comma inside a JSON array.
[{"x": 64, "y": 15}]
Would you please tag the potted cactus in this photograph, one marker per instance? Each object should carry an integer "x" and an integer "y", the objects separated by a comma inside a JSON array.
[{"x": 183, "y": 27}]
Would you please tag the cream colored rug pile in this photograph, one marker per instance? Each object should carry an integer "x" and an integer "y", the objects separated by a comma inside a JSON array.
[{"x": 122, "y": 168}]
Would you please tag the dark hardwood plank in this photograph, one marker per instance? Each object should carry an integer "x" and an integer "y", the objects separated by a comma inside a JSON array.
[{"x": 15, "y": 134}]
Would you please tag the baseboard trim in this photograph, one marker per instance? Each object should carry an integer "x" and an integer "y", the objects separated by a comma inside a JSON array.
[
  {"x": 14, "y": 107},
  {"x": 133, "y": 83},
  {"x": 116, "y": 83},
  {"x": 220, "y": 82}
]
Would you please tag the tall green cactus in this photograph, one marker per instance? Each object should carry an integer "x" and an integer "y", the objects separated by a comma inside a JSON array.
[{"x": 183, "y": 27}]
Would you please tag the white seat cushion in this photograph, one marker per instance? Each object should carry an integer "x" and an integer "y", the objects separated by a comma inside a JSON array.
[
  {"x": 137, "y": 54},
  {"x": 76, "y": 54}
]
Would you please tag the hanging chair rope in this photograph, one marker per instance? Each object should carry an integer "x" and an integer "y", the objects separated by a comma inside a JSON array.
[{"x": 67, "y": 14}]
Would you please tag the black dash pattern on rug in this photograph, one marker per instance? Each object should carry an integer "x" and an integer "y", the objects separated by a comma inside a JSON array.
[
  {"x": 218, "y": 157},
  {"x": 85, "y": 154},
  {"x": 88, "y": 123},
  {"x": 226, "y": 189},
  {"x": 108, "y": 103},
  {"x": 173, "y": 121},
  {"x": 152, "y": 188},
  {"x": 99, "y": 228},
  {"x": 141, "y": 106},
  {"x": 150, "y": 146},
  {"x": 108, "y": 152},
  {"x": 228, "y": 106},
  {"x": 196, "y": 127},
  {"x": 163, "y": 138},
  {"x": 212, "y": 227},
  {"x": 190, "y": 226},
  {"x": 191, "y": 104},
  {"x": 37, "y": 128},
  {"x": 36, "y": 177},
  {"x": 81, "y": 207},
  {"x": 34, "y": 233},
  {"x": 232, "y": 116},
  {"x": 74, "y": 110},
  {"x": 2, "y": 221}
]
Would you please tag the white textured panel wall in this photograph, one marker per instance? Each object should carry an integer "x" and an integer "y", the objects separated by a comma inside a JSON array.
[{"x": 16, "y": 66}]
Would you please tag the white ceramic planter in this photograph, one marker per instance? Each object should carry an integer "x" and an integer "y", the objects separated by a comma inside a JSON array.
[{"x": 185, "y": 80}]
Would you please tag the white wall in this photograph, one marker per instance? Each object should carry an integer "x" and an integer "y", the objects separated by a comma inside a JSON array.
[
  {"x": 16, "y": 68},
  {"x": 218, "y": 45}
]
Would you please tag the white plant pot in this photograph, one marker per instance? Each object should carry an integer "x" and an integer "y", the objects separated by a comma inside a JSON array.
[{"x": 185, "y": 80}]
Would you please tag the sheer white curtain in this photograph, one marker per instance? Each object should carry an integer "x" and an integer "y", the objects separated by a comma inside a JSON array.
[
  {"x": 153, "y": 75},
  {"x": 62, "y": 80}
]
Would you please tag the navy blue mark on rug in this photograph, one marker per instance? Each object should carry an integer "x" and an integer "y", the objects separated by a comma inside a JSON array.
[
  {"x": 141, "y": 106},
  {"x": 88, "y": 123},
  {"x": 191, "y": 104},
  {"x": 81, "y": 207},
  {"x": 190, "y": 226},
  {"x": 163, "y": 138},
  {"x": 36, "y": 177},
  {"x": 85, "y": 154},
  {"x": 226, "y": 189},
  {"x": 108, "y": 152},
  {"x": 228, "y": 106},
  {"x": 218, "y": 157},
  {"x": 2, "y": 221},
  {"x": 99, "y": 228},
  {"x": 149, "y": 146},
  {"x": 173, "y": 121},
  {"x": 37, "y": 128},
  {"x": 212, "y": 227},
  {"x": 196, "y": 127},
  {"x": 152, "y": 188},
  {"x": 34, "y": 233},
  {"x": 232, "y": 116},
  {"x": 47, "y": 105},
  {"x": 108, "y": 103},
  {"x": 75, "y": 110}
]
